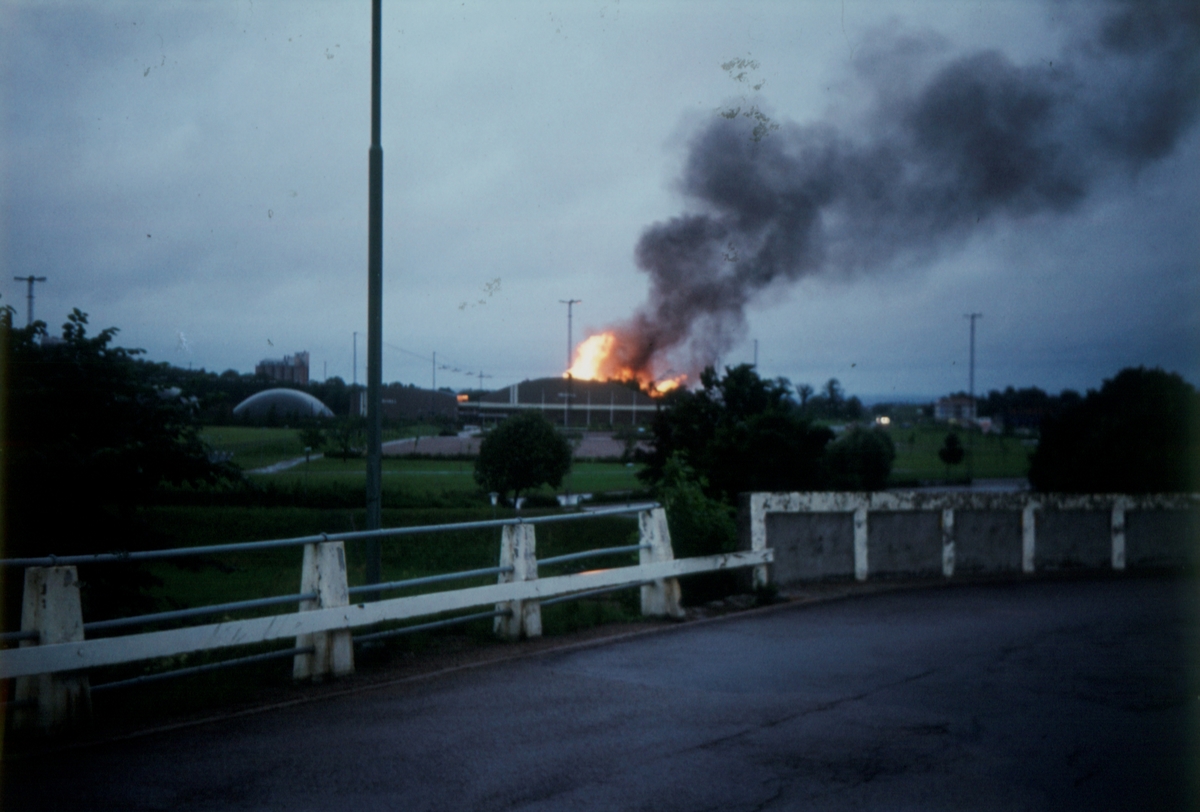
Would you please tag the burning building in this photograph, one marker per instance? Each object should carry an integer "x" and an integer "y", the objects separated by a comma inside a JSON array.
[{"x": 566, "y": 402}]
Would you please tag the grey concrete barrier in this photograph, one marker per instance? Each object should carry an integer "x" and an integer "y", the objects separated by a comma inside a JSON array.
[{"x": 838, "y": 535}]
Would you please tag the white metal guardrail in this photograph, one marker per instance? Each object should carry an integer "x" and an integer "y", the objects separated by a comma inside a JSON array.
[{"x": 50, "y": 665}]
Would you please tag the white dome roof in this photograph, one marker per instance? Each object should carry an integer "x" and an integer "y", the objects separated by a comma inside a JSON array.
[{"x": 286, "y": 402}]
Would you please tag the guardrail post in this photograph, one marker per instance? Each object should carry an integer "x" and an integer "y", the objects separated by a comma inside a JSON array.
[
  {"x": 324, "y": 572},
  {"x": 860, "y": 542},
  {"x": 1028, "y": 536},
  {"x": 661, "y": 598},
  {"x": 518, "y": 549},
  {"x": 1118, "y": 533},
  {"x": 51, "y": 703},
  {"x": 948, "y": 542}
]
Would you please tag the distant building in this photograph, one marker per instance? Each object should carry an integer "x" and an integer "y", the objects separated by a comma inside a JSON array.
[
  {"x": 955, "y": 409},
  {"x": 575, "y": 403},
  {"x": 289, "y": 369},
  {"x": 400, "y": 402}
]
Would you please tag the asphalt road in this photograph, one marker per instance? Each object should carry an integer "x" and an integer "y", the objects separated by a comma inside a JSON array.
[{"x": 1045, "y": 695}]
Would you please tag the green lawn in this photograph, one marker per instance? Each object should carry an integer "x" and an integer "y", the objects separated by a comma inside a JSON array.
[
  {"x": 988, "y": 456},
  {"x": 255, "y": 447},
  {"x": 432, "y": 477}
]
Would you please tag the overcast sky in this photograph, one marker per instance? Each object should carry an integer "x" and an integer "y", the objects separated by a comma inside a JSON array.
[{"x": 196, "y": 175}]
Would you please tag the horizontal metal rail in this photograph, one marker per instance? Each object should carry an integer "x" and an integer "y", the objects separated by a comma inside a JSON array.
[
  {"x": 183, "y": 552},
  {"x": 428, "y": 579},
  {"x": 200, "y": 669},
  {"x": 592, "y": 593},
  {"x": 199, "y": 611},
  {"x": 559, "y": 559},
  {"x": 436, "y": 624},
  {"x": 14, "y": 637}
]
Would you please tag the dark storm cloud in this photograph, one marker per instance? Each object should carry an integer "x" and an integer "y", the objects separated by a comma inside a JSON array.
[{"x": 977, "y": 140}]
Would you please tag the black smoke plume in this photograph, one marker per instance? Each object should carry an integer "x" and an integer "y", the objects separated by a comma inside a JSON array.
[{"x": 976, "y": 139}]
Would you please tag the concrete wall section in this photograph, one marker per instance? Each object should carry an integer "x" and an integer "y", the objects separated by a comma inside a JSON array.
[
  {"x": 904, "y": 544},
  {"x": 1167, "y": 538},
  {"x": 987, "y": 541},
  {"x": 811, "y": 546},
  {"x": 1073, "y": 539}
]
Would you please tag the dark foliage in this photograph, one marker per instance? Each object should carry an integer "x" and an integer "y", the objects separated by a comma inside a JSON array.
[
  {"x": 522, "y": 453},
  {"x": 91, "y": 433},
  {"x": 1024, "y": 408},
  {"x": 739, "y": 433},
  {"x": 1138, "y": 434},
  {"x": 860, "y": 460}
]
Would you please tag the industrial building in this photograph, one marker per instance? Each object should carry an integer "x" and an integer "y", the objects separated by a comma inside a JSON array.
[
  {"x": 400, "y": 402},
  {"x": 289, "y": 369},
  {"x": 566, "y": 402}
]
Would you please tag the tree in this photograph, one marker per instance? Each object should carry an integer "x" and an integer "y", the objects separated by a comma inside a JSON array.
[
  {"x": 951, "y": 452},
  {"x": 1139, "y": 434},
  {"x": 804, "y": 391},
  {"x": 522, "y": 453},
  {"x": 860, "y": 460},
  {"x": 92, "y": 432},
  {"x": 739, "y": 433}
]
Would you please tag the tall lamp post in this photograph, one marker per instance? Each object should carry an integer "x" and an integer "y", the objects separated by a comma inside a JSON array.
[
  {"x": 374, "y": 312},
  {"x": 570, "y": 380}
]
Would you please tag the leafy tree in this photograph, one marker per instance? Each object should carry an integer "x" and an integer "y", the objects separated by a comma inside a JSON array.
[
  {"x": 1139, "y": 434},
  {"x": 951, "y": 452},
  {"x": 860, "y": 460},
  {"x": 739, "y": 433},
  {"x": 92, "y": 431},
  {"x": 700, "y": 525},
  {"x": 522, "y": 453},
  {"x": 312, "y": 436}
]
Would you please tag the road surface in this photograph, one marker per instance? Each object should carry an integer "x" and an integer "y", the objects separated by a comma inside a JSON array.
[{"x": 1038, "y": 695}]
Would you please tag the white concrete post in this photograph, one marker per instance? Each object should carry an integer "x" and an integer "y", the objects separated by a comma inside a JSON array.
[
  {"x": 518, "y": 549},
  {"x": 1028, "y": 536},
  {"x": 324, "y": 572},
  {"x": 948, "y": 542},
  {"x": 860, "y": 542},
  {"x": 51, "y": 607},
  {"x": 759, "y": 576},
  {"x": 661, "y": 598},
  {"x": 1118, "y": 533}
]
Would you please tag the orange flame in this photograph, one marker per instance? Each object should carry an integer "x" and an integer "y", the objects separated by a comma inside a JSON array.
[{"x": 596, "y": 359}]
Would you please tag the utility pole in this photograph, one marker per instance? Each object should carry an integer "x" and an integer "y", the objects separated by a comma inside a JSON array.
[
  {"x": 374, "y": 311},
  {"x": 569, "y": 303},
  {"x": 570, "y": 378},
  {"x": 971, "y": 390},
  {"x": 29, "y": 296}
]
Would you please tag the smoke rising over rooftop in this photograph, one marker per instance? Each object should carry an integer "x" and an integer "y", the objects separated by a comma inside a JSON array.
[{"x": 948, "y": 146}]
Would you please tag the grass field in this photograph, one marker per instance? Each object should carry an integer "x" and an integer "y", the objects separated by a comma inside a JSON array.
[
  {"x": 988, "y": 456},
  {"x": 433, "y": 477},
  {"x": 256, "y": 447}
]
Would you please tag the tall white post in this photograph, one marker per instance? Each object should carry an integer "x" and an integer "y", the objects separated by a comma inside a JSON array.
[
  {"x": 518, "y": 549},
  {"x": 1118, "y": 533},
  {"x": 1028, "y": 536},
  {"x": 661, "y": 598},
  {"x": 50, "y": 703},
  {"x": 323, "y": 572},
  {"x": 948, "y": 542},
  {"x": 860, "y": 542}
]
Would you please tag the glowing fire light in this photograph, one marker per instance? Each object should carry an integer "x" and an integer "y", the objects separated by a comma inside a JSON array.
[{"x": 596, "y": 359}]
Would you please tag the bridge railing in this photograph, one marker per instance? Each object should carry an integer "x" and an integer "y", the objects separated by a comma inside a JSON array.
[{"x": 55, "y": 651}]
